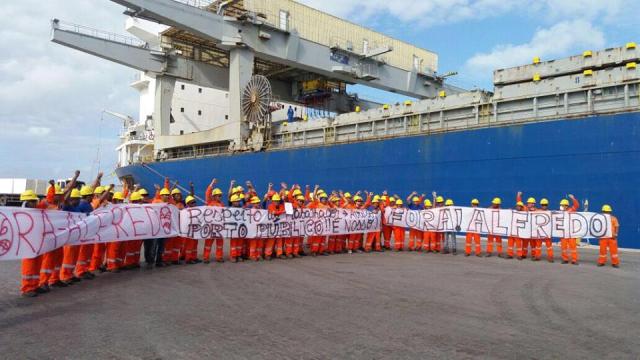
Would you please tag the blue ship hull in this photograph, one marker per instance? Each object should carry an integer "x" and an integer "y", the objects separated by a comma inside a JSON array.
[{"x": 595, "y": 158}]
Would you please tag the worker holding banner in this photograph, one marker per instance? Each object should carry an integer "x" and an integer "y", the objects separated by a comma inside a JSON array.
[
  {"x": 30, "y": 267},
  {"x": 568, "y": 246},
  {"x": 276, "y": 209},
  {"x": 213, "y": 197},
  {"x": 398, "y": 231},
  {"x": 494, "y": 239},
  {"x": 429, "y": 241},
  {"x": 85, "y": 253},
  {"x": 102, "y": 197},
  {"x": 544, "y": 206},
  {"x": 415, "y": 236},
  {"x": 450, "y": 237},
  {"x": 514, "y": 243},
  {"x": 473, "y": 238},
  {"x": 373, "y": 238},
  {"x": 610, "y": 243},
  {"x": 387, "y": 230},
  {"x": 527, "y": 243},
  {"x": 439, "y": 202}
]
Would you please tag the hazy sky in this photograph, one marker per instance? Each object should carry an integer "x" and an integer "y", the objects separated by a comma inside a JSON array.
[{"x": 52, "y": 97}]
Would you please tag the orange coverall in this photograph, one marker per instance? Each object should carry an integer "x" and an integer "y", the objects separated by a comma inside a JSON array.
[
  {"x": 277, "y": 210},
  {"x": 568, "y": 246},
  {"x": 208, "y": 243},
  {"x": 611, "y": 244}
]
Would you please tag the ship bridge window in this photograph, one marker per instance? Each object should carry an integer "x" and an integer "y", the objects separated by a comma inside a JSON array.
[
  {"x": 226, "y": 117},
  {"x": 182, "y": 86},
  {"x": 284, "y": 20},
  {"x": 199, "y": 112},
  {"x": 200, "y": 90},
  {"x": 181, "y": 110}
]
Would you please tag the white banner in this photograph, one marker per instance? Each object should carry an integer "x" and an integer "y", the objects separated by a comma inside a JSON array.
[
  {"x": 27, "y": 233},
  {"x": 209, "y": 222},
  {"x": 503, "y": 222}
]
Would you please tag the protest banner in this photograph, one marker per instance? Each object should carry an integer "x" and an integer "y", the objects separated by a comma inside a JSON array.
[
  {"x": 503, "y": 222},
  {"x": 212, "y": 222},
  {"x": 27, "y": 233}
]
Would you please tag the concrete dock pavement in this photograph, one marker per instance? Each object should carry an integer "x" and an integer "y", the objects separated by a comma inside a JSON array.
[{"x": 366, "y": 306}]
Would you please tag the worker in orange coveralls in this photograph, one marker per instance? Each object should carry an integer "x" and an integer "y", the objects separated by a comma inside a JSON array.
[
  {"x": 116, "y": 249},
  {"x": 255, "y": 244},
  {"x": 191, "y": 245},
  {"x": 398, "y": 231},
  {"x": 544, "y": 206},
  {"x": 373, "y": 238},
  {"x": 52, "y": 261},
  {"x": 335, "y": 244},
  {"x": 415, "y": 236},
  {"x": 357, "y": 203},
  {"x": 91, "y": 200},
  {"x": 102, "y": 197},
  {"x": 276, "y": 208},
  {"x": 213, "y": 197},
  {"x": 293, "y": 244},
  {"x": 527, "y": 243},
  {"x": 70, "y": 252},
  {"x": 316, "y": 243},
  {"x": 30, "y": 267},
  {"x": 133, "y": 247},
  {"x": 235, "y": 201},
  {"x": 439, "y": 202},
  {"x": 473, "y": 238},
  {"x": 387, "y": 230},
  {"x": 491, "y": 239},
  {"x": 610, "y": 243},
  {"x": 514, "y": 244},
  {"x": 429, "y": 237},
  {"x": 568, "y": 246},
  {"x": 172, "y": 252}
]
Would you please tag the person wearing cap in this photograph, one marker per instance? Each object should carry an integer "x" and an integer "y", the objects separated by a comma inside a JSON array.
[
  {"x": 116, "y": 249},
  {"x": 438, "y": 200},
  {"x": 568, "y": 246},
  {"x": 213, "y": 197},
  {"x": 52, "y": 260},
  {"x": 494, "y": 239},
  {"x": 415, "y": 236},
  {"x": 255, "y": 244},
  {"x": 387, "y": 230},
  {"x": 610, "y": 243},
  {"x": 335, "y": 243},
  {"x": 537, "y": 254},
  {"x": 294, "y": 244},
  {"x": 144, "y": 196},
  {"x": 101, "y": 198},
  {"x": 236, "y": 201},
  {"x": 173, "y": 246},
  {"x": 473, "y": 238},
  {"x": 526, "y": 242},
  {"x": 398, "y": 231},
  {"x": 449, "y": 237},
  {"x": 316, "y": 243},
  {"x": 356, "y": 203},
  {"x": 133, "y": 247},
  {"x": 190, "y": 245},
  {"x": 428, "y": 237},
  {"x": 373, "y": 238},
  {"x": 276, "y": 209},
  {"x": 70, "y": 252},
  {"x": 154, "y": 248},
  {"x": 30, "y": 268},
  {"x": 514, "y": 244},
  {"x": 89, "y": 198}
]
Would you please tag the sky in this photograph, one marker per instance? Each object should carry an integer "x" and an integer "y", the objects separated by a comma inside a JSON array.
[{"x": 52, "y": 98}]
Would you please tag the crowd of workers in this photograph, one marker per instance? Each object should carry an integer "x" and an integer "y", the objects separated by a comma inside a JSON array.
[{"x": 72, "y": 263}]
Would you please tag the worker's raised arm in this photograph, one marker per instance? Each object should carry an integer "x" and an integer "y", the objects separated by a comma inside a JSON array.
[
  {"x": 576, "y": 204},
  {"x": 367, "y": 203},
  {"x": 71, "y": 185},
  {"x": 519, "y": 197},
  {"x": 51, "y": 192},
  {"x": 410, "y": 197},
  {"x": 96, "y": 182},
  {"x": 192, "y": 190},
  {"x": 106, "y": 192},
  {"x": 232, "y": 184}
]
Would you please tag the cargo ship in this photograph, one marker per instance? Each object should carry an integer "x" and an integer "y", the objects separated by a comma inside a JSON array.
[{"x": 258, "y": 90}]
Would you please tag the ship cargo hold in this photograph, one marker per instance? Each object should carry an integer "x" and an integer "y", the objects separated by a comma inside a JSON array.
[{"x": 549, "y": 128}]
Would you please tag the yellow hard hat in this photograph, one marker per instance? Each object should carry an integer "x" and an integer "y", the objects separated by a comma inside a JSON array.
[
  {"x": 519, "y": 203},
  {"x": 59, "y": 190},
  {"x": 449, "y": 202},
  {"x": 86, "y": 190},
  {"x": 399, "y": 202},
  {"x": 136, "y": 196},
  {"x": 275, "y": 197},
  {"x": 392, "y": 200},
  {"x": 322, "y": 195},
  {"x": 606, "y": 208},
  {"x": 189, "y": 199},
  {"x": 235, "y": 198},
  {"x": 415, "y": 199},
  {"x": 216, "y": 191},
  {"x": 241, "y": 195},
  {"x": 176, "y": 191},
  {"x": 165, "y": 191},
  {"x": 384, "y": 197},
  {"x": 75, "y": 194},
  {"x": 28, "y": 195},
  {"x": 143, "y": 192},
  {"x": 255, "y": 200},
  {"x": 496, "y": 201},
  {"x": 475, "y": 202},
  {"x": 427, "y": 203},
  {"x": 99, "y": 190},
  {"x": 347, "y": 195},
  {"x": 439, "y": 199},
  {"x": 544, "y": 202},
  {"x": 357, "y": 198},
  {"x": 564, "y": 202},
  {"x": 118, "y": 196},
  {"x": 531, "y": 200},
  {"x": 240, "y": 188},
  {"x": 297, "y": 192},
  {"x": 376, "y": 199},
  {"x": 300, "y": 197}
]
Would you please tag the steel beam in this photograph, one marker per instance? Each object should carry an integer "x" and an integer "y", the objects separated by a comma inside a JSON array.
[{"x": 285, "y": 48}]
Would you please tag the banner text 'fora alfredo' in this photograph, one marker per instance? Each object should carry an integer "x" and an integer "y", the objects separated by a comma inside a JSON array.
[{"x": 503, "y": 222}]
